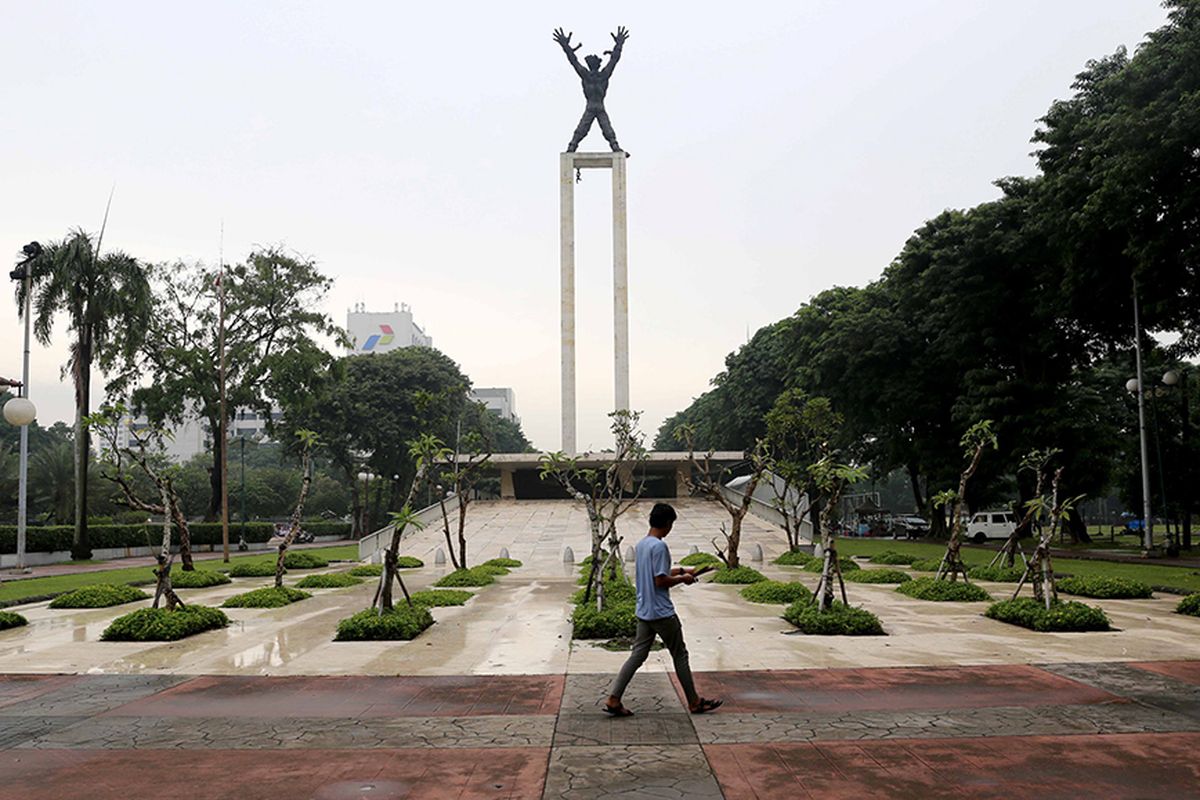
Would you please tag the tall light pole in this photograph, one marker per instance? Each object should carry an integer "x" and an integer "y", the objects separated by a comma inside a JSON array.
[
  {"x": 20, "y": 410},
  {"x": 1138, "y": 384}
]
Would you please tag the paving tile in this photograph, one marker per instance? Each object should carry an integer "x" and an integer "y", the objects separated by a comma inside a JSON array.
[
  {"x": 83, "y": 695},
  {"x": 645, "y": 728},
  {"x": 353, "y": 696},
  {"x": 896, "y": 688},
  {"x": 515, "y": 773},
  {"x": 1147, "y": 766},
  {"x": 630, "y": 771},
  {"x": 1186, "y": 671},
  {"x": 647, "y": 693},
  {"x": 16, "y": 730},
  {"x": 21, "y": 688},
  {"x": 240, "y": 733},
  {"x": 1151, "y": 687}
]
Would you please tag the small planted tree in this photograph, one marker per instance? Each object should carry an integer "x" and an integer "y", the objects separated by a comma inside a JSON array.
[
  {"x": 831, "y": 479},
  {"x": 468, "y": 464},
  {"x": 1039, "y": 571},
  {"x": 707, "y": 479},
  {"x": 800, "y": 431},
  {"x": 978, "y": 438},
  {"x": 308, "y": 443},
  {"x": 1037, "y": 461},
  {"x": 606, "y": 493}
]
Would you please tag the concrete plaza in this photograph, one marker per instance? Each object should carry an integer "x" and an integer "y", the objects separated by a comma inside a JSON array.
[{"x": 496, "y": 701}]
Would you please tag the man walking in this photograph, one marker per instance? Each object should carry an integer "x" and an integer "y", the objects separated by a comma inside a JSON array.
[{"x": 656, "y": 615}]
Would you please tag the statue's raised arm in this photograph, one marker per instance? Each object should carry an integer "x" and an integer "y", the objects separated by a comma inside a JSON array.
[
  {"x": 615, "y": 54},
  {"x": 564, "y": 41}
]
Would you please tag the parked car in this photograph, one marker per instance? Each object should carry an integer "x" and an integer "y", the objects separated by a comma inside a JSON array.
[
  {"x": 985, "y": 525},
  {"x": 909, "y": 526}
]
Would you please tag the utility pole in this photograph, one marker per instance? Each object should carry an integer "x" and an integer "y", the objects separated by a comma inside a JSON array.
[
  {"x": 223, "y": 434},
  {"x": 1147, "y": 520}
]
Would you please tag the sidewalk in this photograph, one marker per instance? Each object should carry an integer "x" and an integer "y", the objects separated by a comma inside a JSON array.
[{"x": 1109, "y": 730}]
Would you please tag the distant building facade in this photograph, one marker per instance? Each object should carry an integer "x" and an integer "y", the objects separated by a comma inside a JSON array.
[
  {"x": 382, "y": 331},
  {"x": 184, "y": 441},
  {"x": 500, "y": 399}
]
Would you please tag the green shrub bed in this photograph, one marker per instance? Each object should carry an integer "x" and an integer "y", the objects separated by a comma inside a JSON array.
[
  {"x": 793, "y": 558},
  {"x": 997, "y": 574},
  {"x": 101, "y": 595},
  {"x": 328, "y": 580},
  {"x": 491, "y": 569},
  {"x": 11, "y": 619},
  {"x": 1189, "y": 605},
  {"x": 926, "y": 564},
  {"x": 617, "y": 619},
  {"x": 699, "y": 560},
  {"x": 161, "y": 625},
  {"x": 367, "y": 570},
  {"x": 817, "y": 564},
  {"x": 198, "y": 579},
  {"x": 252, "y": 569},
  {"x": 776, "y": 592},
  {"x": 468, "y": 577},
  {"x": 892, "y": 557},
  {"x": 933, "y": 589},
  {"x": 403, "y": 622},
  {"x": 1103, "y": 587},
  {"x": 436, "y": 598},
  {"x": 1068, "y": 616},
  {"x": 298, "y": 559},
  {"x": 507, "y": 563},
  {"x": 56, "y": 538},
  {"x": 876, "y": 576},
  {"x": 738, "y": 575},
  {"x": 268, "y": 597},
  {"x": 837, "y": 620}
]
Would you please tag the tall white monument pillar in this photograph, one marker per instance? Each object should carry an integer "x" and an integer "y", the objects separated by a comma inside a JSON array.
[{"x": 568, "y": 164}]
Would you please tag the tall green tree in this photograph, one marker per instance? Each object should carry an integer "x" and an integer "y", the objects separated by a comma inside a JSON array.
[
  {"x": 106, "y": 299},
  {"x": 271, "y": 325}
]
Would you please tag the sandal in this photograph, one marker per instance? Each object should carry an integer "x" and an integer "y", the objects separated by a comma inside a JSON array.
[
  {"x": 617, "y": 711},
  {"x": 705, "y": 705}
]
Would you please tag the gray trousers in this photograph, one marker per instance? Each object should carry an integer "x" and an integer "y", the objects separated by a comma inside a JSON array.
[{"x": 671, "y": 633}]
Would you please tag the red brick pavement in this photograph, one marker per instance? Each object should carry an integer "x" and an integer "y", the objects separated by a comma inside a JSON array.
[{"x": 1186, "y": 671}]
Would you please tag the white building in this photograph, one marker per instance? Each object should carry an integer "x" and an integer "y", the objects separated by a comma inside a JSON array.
[
  {"x": 184, "y": 441},
  {"x": 499, "y": 399},
  {"x": 381, "y": 331}
]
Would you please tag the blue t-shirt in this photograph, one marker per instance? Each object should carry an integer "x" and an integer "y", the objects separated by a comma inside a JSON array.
[{"x": 652, "y": 558}]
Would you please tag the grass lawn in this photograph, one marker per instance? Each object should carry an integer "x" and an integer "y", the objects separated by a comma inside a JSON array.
[
  {"x": 1153, "y": 574},
  {"x": 30, "y": 589}
]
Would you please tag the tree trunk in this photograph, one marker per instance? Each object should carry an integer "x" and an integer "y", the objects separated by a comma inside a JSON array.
[
  {"x": 175, "y": 514},
  {"x": 463, "y": 501},
  {"x": 297, "y": 515},
  {"x": 81, "y": 549},
  {"x": 1076, "y": 526},
  {"x": 734, "y": 539},
  {"x": 814, "y": 517},
  {"x": 914, "y": 481},
  {"x": 214, "y": 474}
]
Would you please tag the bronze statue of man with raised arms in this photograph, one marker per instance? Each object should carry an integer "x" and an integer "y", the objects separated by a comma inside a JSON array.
[{"x": 595, "y": 86}]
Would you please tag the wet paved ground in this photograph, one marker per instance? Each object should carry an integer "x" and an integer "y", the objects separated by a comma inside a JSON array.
[{"x": 1108, "y": 730}]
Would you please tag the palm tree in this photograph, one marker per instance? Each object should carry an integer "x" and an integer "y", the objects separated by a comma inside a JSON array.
[
  {"x": 52, "y": 474},
  {"x": 107, "y": 303}
]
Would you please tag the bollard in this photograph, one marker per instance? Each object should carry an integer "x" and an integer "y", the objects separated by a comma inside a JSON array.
[
  {"x": 504, "y": 552},
  {"x": 629, "y": 555},
  {"x": 568, "y": 555},
  {"x": 439, "y": 558},
  {"x": 693, "y": 550},
  {"x": 756, "y": 553}
]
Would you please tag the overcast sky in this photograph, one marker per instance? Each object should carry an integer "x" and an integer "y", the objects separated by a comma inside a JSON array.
[{"x": 778, "y": 148}]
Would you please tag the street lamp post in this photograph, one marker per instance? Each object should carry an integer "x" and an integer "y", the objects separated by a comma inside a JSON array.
[
  {"x": 1138, "y": 385},
  {"x": 1173, "y": 378},
  {"x": 242, "y": 545},
  {"x": 20, "y": 410},
  {"x": 366, "y": 478}
]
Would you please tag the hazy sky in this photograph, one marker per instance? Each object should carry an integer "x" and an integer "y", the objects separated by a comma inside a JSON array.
[{"x": 779, "y": 148}]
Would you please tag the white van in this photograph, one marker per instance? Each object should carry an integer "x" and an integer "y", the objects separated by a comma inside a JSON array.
[{"x": 986, "y": 525}]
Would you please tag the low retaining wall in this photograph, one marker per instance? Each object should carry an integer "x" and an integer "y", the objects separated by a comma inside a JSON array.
[
  {"x": 370, "y": 547},
  {"x": 9, "y": 560}
]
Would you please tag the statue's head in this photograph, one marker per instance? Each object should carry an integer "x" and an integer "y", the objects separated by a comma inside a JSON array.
[{"x": 593, "y": 62}]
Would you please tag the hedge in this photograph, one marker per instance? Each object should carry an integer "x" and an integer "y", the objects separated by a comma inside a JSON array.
[
  {"x": 776, "y": 592},
  {"x": 298, "y": 559},
  {"x": 816, "y": 564},
  {"x": 837, "y": 620},
  {"x": 268, "y": 597},
  {"x": 876, "y": 576},
  {"x": 616, "y": 620},
  {"x": 1071, "y": 616},
  {"x": 927, "y": 564},
  {"x": 1189, "y": 605},
  {"x": 467, "y": 577},
  {"x": 997, "y": 574},
  {"x": 11, "y": 619},
  {"x": 892, "y": 557},
  {"x": 793, "y": 558},
  {"x": 436, "y": 598},
  {"x": 328, "y": 580},
  {"x": 252, "y": 569},
  {"x": 403, "y": 622},
  {"x": 738, "y": 575},
  {"x": 100, "y": 595},
  {"x": 197, "y": 579},
  {"x": 699, "y": 560},
  {"x": 933, "y": 589},
  {"x": 507, "y": 563},
  {"x": 161, "y": 625},
  {"x": 1102, "y": 587},
  {"x": 375, "y": 570}
]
